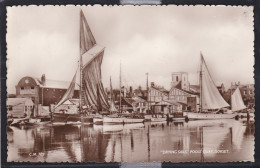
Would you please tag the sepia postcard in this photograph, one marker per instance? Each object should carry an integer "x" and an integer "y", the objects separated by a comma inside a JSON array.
[{"x": 130, "y": 83}]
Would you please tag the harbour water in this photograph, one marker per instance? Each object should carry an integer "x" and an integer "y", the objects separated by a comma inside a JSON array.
[{"x": 202, "y": 140}]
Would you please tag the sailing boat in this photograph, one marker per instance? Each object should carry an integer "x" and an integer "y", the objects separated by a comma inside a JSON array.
[
  {"x": 237, "y": 103},
  {"x": 114, "y": 118},
  {"x": 92, "y": 94},
  {"x": 212, "y": 104},
  {"x": 112, "y": 109}
]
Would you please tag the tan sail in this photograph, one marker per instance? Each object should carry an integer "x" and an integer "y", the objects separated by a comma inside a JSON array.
[
  {"x": 91, "y": 60},
  {"x": 211, "y": 98},
  {"x": 237, "y": 103}
]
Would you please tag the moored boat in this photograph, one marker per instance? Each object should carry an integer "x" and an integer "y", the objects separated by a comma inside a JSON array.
[
  {"x": 212, "y": 104},
  {"x": 97, "y": 120},
  {"x": 133, "y": 120},
  {"x": 158, "y": 119},
  {"x": 209, "y": 116},
  {"x": 92, "y": 95},
  {"x": 113, "y": 120}
]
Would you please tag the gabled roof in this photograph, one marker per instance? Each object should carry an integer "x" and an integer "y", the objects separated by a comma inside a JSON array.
[
  {"x": 138, "y": 99},
  {"x": 173, "y": 102},
  {"x": 55, "y": 84},
  {"x": 188, "y": 92},
  {"x": 129, "y": 100},
  {"x": 160, "y": 89},
  {"x": 178, "y": 85},
  {"x": 195, "y": 88}
]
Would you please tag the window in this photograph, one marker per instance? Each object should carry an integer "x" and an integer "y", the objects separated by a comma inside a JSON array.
[
  {"x": 251, "y": 92},
  {"x": 25, "y": 108},
  {"x": 184, "y": 78},
  {"x": 22, "y": 88},
  {"x": 177, "y": 78},
  {"x": 10, "y": 108},
  {"x": 244, "y": 92},
  {"x": 32, "y": 87}
]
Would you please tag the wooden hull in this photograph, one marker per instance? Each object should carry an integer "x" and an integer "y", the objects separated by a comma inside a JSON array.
[
  {"x": 209, "y": 116},
  {"x": 133, "y": 120},
  {"x": 19, "y": 121},
  {"x": 244, "y": 115},
  {"x": 158, "y": 119},
  {"x": 71, "y": 119},
  {"x": 178, "y": 119},
  {"x": 98, "y": 120},
  {"x": 111, "y": 120}
]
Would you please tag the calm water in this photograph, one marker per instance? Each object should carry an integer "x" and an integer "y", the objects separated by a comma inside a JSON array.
[{"x": 212, "y": 140}]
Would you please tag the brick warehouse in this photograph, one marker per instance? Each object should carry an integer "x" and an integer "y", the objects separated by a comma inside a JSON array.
[{"x": 42, "y": 91}]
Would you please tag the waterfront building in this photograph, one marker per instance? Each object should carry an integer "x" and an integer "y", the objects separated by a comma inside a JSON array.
[
  {"x": 167, "y": 107},
  {"x": 42, "y": 91},
  {"x": 157, "y": 94},
  {"x": 133, "y": 104},
  {"x": 246, "y": 90},
  {"x": 221, "y": 89},
  {"x": 19, "y": 107},
  {"x": 189, "y": 100}
]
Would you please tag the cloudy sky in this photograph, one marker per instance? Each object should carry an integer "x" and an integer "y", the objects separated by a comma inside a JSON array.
[{"x": 154, "y": 39}]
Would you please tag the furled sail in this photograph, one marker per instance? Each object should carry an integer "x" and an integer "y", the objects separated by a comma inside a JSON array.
[
  {"x": 211, "y": 98},
  {"x": 69, "y": 93},
  {"x": 92, "y": 90},
  {"x": 112, "y": 108},
  {"x": 236, "y": 101}
]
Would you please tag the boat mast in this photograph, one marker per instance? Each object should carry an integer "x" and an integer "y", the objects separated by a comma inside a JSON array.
[
  {"x": 147, "y": 87},
  {"x": 120, "y": 89},
  {"x": 80, "y": 68},
  {"x": 110, "y": 90},
  {"x": 201, "y": 59}
]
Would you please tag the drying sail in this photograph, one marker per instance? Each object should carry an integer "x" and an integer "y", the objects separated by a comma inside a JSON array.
[
  {"x": 92, "y": 90},
  {"x": 211, "y": 98},
  {"x": 87, "y": 40},
  {"x": 112, "y": 108},
  {"x": 236, "y": 101},
  {"x": 69, "y": 93}
]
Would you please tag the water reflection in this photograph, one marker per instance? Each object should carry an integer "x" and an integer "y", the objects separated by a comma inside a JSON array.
[{"x": 162, "y": 141}]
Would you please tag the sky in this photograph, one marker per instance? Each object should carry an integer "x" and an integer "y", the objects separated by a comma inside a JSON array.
[{"x": 154, "y": 39}]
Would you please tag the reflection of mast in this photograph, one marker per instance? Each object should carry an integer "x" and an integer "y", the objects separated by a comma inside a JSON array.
[
  {"x": 121, "y": 148},
  {"x": 148, "y": 143},
  {"x": 231, "y": 134},
  {"x": 113, "y": 150},
  {"x": 201, "y": 145},
  {"x": 132, "y": 141},
  {"x": 81, "y": 134}
]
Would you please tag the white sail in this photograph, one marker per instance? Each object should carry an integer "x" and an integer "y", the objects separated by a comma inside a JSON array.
[
  {"x": 112, "y": 108},
  {"x": 211, "y": 98},
  {"x": 236, "y": 101}
]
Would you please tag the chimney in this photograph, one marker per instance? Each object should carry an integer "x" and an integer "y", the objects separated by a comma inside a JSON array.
[
  {"x": 43, "y": 79},
  {"x": 140, "y": 88},
  {"x": 152, "y": 84}
]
